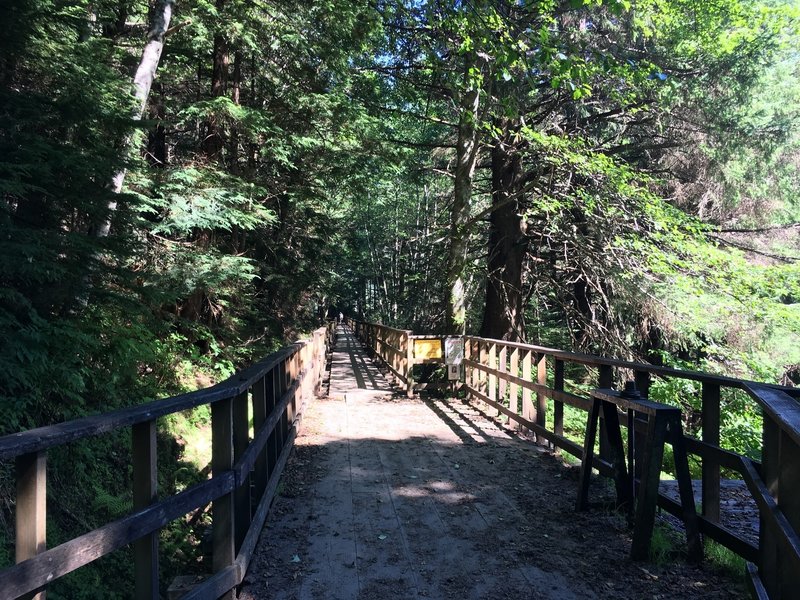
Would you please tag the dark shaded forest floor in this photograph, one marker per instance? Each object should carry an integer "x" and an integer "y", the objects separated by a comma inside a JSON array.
[{"x": 388, "y": 498}]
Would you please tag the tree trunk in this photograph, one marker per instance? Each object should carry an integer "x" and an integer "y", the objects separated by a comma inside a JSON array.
[
  {"x": 142, "y": 82},
  {"x": 466, "y": 158},
  {"x": 504, "y": 311}
]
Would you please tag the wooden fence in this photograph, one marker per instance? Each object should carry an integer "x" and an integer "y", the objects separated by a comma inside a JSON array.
[
  {"x": 526, "y": 383},
  {"x": 245, "y": 472},
  {"x": 394, "y": 348}
]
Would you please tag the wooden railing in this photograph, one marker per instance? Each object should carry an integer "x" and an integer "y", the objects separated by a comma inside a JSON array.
[
  {"x": 392, "y": 346},
  {"x": 274, "y": 389},
  {"x": 524, "y": 382}
]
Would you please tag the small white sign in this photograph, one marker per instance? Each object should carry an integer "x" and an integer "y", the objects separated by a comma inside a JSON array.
[
  {"x": 453, "y": 372},
  {"x": 453, "y": 350}
]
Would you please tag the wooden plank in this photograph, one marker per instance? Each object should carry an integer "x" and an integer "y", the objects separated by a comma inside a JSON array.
[
  {"x": 789, "y": 504},
  {"x": 31, "y": 512},
  {"x": 754, "y": 583},
  {"x": 768, "y": 533},
  {"x": 409, "y": 365},
  {"x": 710, "y": 467},
  {"x": 528, "y": 411},
  {"x": 52, "y": 564},
  {"x": 688, "y": 514},
  {"x": 241, "y": 495},
  {"x": 223, "y": 516},
  {"x": 261, "y": 467},
  {"x": 588, "y": 452},
  {"x": 558, "y": 406},
  {"x": 145, "y": 493},
  {"x": 786, "y": 538},
  {"x": 541, "y": 398},
  {"x": 502, "y": 367},
  {"x": 605, "y": 379},
  {"x": 622, "y": 481},
  {"x": 492, "y": 362},
  {"x": 648, "y": 488},
  {"x": 513, "y": 388}
]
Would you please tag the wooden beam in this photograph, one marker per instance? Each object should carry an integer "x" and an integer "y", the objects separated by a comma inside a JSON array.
[
  {"x": 145, "y": 493},
  {"x": 710, "y": 467},
  {"x": 223, "y": 517},
  {"x": 31, "y": 514}
]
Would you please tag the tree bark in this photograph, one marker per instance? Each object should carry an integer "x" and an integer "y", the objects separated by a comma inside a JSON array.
[
  {"x": 504, "y": 312},
  {"x": 466, "y": 159},
  {"x": 142, "y": 82}
]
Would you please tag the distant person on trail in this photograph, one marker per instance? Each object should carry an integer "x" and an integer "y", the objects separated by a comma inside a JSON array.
[{"x": 341, "y": 317}]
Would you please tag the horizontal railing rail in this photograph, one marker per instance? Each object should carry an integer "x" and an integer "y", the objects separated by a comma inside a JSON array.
[
  {"x": 526, "y": 382},
  {"x": 501, "y": 374},
  {"x": 273, "y": 391}
]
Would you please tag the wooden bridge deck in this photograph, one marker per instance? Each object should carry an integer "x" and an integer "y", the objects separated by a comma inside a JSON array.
[{"x": 386, "y": 497}]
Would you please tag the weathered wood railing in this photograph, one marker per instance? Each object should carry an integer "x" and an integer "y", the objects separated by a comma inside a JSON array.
[
  {"x": 500, "y": 374},
  {"x": 275, "y": 389},
  {"x": 526, "y": 383},
  {"x": 392, "y": 346}
]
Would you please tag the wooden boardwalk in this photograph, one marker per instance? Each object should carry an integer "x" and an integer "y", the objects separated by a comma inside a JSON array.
[{"x": 387, "y": 497}]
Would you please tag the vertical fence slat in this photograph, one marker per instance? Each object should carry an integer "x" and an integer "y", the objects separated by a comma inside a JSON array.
[
  {"x": 789, "y": 503},
  {"x": 558, "y": 407},
  {"x": 31, "y": 511},
  {"x": 241, "y": 439},
  {"x": 513, "y": 389},
  {"x": 605, "y": 379},
  {"x": 710, "y": 467},
  {"x": 261, "y": 471},
  {"x": 222, "y": 530},
  {"x": 409, "y": 349},
  {"x": 527, "y": 403},
  {"x": 502, "y": 360},
  {"x": 541, "y": 399},
  {"x": 145, "y": 492}
]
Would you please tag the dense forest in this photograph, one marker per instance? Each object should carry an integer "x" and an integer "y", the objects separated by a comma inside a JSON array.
[{"x": 187, "y": 185}]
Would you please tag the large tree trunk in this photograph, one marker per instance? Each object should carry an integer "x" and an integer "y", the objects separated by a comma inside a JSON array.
[
  {"x": 504, "y": 312},
  {"x": 142, "y": 82},
  {"x": 466, "y": 158}
]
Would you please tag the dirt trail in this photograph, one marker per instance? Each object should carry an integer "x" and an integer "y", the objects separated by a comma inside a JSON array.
[{"x": 389, "y": 498}]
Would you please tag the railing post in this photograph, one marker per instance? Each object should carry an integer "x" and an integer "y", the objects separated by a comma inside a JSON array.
[
  {"x": 768, "y": 552},
  {"x": 223, "y": 518},
  {"x": 513, "y": 389},
  {"x": 558, "y": 406},
  {"x": 31, "y": 512},
  {"x": 527, "y": 375},
  {"x": 261, "y": 474},
  {"x": 710, "y": 467},
  {"x": 145, "y": 492},
  {"x": 272, "y": 383},
  {"x": 541, "y": 399},
  {"x": 241, "y": 439},
  {"x": 409, "y": 365},
  {"x": 483, "y": 353},
  {"x": 502, "y": 366},
  {"x": 492, "y": 377},
  {"x": 605, "y": 379},
  {"x": 789, "y": 503}
]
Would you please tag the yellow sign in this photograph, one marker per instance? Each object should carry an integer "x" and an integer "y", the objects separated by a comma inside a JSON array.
[{"x": 428, "y": 349}]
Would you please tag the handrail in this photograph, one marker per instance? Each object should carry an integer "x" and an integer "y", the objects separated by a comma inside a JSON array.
[
  {"x": 506, "y": 375},
  {"x": 275, "y": 389},
  {"x": 392, "y": 346}
]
